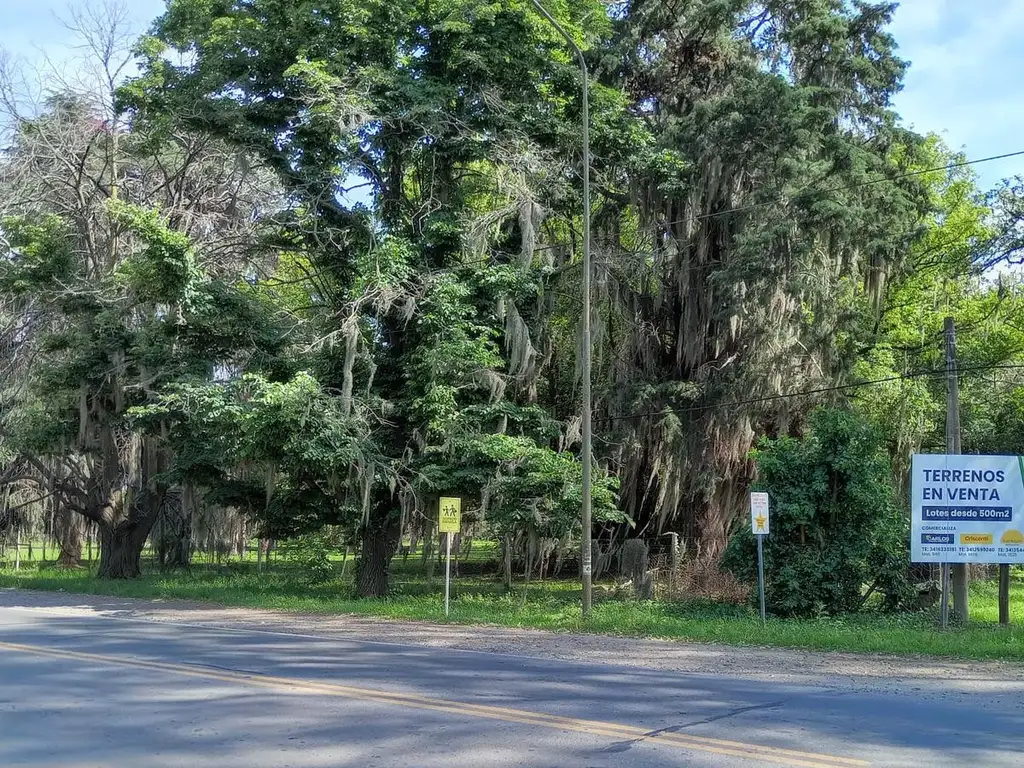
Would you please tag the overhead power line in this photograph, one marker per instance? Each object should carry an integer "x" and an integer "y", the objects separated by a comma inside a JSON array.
[{"x": 939, "y": 372}]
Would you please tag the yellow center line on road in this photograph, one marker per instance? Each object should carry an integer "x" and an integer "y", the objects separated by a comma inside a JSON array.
[{"x": 777, "y": 755}]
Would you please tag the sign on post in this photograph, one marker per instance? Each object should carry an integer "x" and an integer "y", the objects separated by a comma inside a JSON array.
[
  {"x": 967, "y": 509},
  {"x": 759, "y": 517},
  {"x": 449, "y": 521},
  {"x": 759, "y": 513},
  {"x": 449, "y": 515}
]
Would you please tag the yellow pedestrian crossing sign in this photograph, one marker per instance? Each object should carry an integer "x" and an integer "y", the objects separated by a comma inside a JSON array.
[
  {"x": 449, "y": 515},
  {"x": 449, "y": 521}
]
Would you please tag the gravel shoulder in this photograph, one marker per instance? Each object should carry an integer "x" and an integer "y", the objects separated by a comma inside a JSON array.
[{"x": 1001, "y": 684}]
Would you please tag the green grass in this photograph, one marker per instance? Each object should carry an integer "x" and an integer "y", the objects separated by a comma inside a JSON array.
[
  {"x": 40, "y": 553},
  {"x": 554, "y": 605}
]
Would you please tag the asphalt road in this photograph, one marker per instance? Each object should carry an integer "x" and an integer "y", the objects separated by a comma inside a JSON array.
[{"x": 78, "y": 692}]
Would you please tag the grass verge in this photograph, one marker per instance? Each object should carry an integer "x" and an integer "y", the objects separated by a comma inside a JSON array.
[{"x": 553, "y": 605}]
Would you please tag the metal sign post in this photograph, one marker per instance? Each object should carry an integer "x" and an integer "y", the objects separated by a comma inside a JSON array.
[
  {"x": 447, "y": 570},
  {"x": 760, "y": 572},
  {"x": 944, "y": 599},
  {"x": 449, "y": 521},
  {"x": 759, "y": 524}
]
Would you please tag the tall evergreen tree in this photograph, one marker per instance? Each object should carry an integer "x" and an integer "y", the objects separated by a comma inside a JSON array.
[{"x": 758, "y": 243}]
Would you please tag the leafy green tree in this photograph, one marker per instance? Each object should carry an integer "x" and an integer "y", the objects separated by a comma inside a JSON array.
[
  {"x": 109, "y": 341},
  {"x": 121, "y": 252},
  {"x": 837, "y": 533},
  {"x": 948, "y": 275},
  {"x": 216, "y": 293},
  {"x": 427, "y": 306},
  {"x": 285, "y": 451},
  {"x": 1007, "y": 202}
]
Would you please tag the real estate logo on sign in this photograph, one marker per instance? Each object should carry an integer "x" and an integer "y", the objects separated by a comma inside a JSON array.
[{"x": 449, "y": 515}]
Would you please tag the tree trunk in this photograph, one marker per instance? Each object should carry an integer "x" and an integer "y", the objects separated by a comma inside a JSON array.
[
  {"x": 122, "y": 540},
  {"x": 68, "y": 533},
  {"x": 174, "y": 538},
  {"x": 380, "y": 542},
  {"x": 429, "y": 537},
  {"x": 508, "y": 563},
  {"x": 121, "y": 549}
]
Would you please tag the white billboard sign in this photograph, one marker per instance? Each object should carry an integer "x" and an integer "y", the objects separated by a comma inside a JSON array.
[{"x": 967, "y": 509}]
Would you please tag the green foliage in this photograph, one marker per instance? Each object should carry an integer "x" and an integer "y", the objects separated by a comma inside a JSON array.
[
  {"x": 1001, "y": 427},
  {"x": 943, "y": 279},
  {"x": 123, "y": 271},
  {"x": 524, "y": 486},
  {"x": 164, "y": 269},
  {"x": 311, "y": 552},
  {"x": 757, "y": 241},
  {"x": 40, "y": 254},
  {"x": 426, "y": 341},
  {"x": 155, "y": 317},
  {"x": 283, "y": 451},
  {"x": 421, "y": 352},
  {"x": 836, "y": 530},
  {"x": 1007, "y": 202}
]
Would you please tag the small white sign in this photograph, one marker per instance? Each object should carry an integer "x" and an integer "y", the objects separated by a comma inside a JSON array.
[{"x": 759, "y": 513}]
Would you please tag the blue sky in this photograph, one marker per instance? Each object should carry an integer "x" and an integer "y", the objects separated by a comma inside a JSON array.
[
  {"x": 965, "y": 79},
  {"x": 964, "y": 83},
  {"x": 26, "y": 26}
]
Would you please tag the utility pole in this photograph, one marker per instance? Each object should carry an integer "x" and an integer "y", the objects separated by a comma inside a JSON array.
[
  {"x": 585, "y": 543},
  {"x": 959, "y": 587},
  {"x": 1004, "y": 593}
]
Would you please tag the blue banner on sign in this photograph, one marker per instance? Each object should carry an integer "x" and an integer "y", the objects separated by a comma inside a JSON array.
[
  {"x": 936, "y": 538},
  {"x": 962, "y": 514}
]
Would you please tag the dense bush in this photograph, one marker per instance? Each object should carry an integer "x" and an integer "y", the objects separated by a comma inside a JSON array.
[
  {"x": 311, "y": 553},
  {"x": 837, "y": 532}
]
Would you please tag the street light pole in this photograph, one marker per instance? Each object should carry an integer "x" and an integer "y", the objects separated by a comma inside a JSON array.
[{"x": 585, "y": 545}]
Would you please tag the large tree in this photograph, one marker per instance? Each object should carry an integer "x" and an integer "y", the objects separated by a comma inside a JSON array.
[
  {"x": 121, "y": 247},
  {"x": 430, "y": 301},
  {"x": 759, "y": 213},
  {"x": 757, "y": 243},
  {"x": 952, "y": 272}
]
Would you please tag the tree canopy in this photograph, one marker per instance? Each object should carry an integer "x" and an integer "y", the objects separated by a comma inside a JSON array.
[{"x": 319, "y": 263}]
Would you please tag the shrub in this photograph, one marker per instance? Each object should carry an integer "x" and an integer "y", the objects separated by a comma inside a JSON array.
[
  {"x": 837, "y": 533},
  {"x": 702, "y": 578},
  {"x": 311, "y": 553}
]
